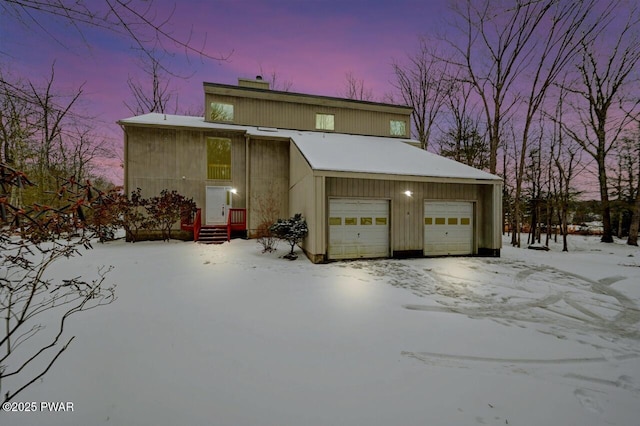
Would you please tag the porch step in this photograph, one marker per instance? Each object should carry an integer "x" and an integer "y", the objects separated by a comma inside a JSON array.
[{"x": 211, "y": 235}]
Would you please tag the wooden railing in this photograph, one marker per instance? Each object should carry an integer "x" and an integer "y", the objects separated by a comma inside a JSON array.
[
  {"x": 219, "y": 171},
  {"x": 236, "y": 221},
  {"x": 186, "y": 220},
  {"x": 197, "y": 224}
]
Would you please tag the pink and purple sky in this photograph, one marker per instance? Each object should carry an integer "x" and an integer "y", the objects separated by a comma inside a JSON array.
[{"x": 310, "y": 43}]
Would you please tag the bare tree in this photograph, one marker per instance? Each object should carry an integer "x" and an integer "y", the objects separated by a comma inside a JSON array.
[
  {"x": 488, "y": 54},
  {"x": 422, "y": 83},
  {"x": 53, "y": 111},
  {"x": 464, "y": 138},
  {"x": 17, "y": 127},
  {"x": 31, "y": 240},
  {"x": 566, "y": 158},
  {"x": 604, "y": 101},
  {"x": 275, "y": 80},
  {"x": 354, "y": 88},
  {"x": 153, "y": 98},
  {"x": 634, "y": 168},
  {"x": 43, "y": 135},
  {"x": 139, "y": 20},
  {"x": 513, "y": 55}
]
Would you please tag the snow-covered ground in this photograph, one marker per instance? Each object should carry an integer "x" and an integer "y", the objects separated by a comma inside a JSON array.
[{"x": 224, "y": 335}]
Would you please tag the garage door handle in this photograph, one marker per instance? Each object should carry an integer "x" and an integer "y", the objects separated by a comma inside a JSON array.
[
  {"x": 446, "y": 233},
  {"x": 358, "y": 235}
]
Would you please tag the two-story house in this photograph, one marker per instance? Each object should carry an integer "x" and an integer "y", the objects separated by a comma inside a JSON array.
[{"x": 350, "y": 167}]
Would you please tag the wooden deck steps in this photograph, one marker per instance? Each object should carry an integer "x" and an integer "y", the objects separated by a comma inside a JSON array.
[{"x": 213, "y": 235}]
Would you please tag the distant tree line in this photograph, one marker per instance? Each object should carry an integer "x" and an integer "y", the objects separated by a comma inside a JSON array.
[{"x": 542, "y": 93}]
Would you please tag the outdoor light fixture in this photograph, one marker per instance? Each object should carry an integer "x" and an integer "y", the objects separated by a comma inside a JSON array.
[
  {"x": 234, "y": 191},
  {"x": 408, "y": 193}
]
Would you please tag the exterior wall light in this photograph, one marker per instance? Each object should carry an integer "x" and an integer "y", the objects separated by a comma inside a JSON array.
[
  {"x": 408, "y": 193},
  {"x": 234, "y": 191}
]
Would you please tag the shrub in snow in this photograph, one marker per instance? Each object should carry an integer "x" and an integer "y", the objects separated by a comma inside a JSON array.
[
  {"x": 168, "y": 208},
  {"x": 135, "y": 213},
  {"x": 267, "y": 209},
  {"x": 131, "y": 214},
  {"x": 293, "y": 230}
]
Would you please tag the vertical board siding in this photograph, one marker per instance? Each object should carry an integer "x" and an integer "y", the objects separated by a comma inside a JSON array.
[
  {"x": 173, "y": 159},
  {"x": 269, "y": 165},
  {"x": 407, "y": 213},
  {"x": 300, "y": 116},
  {"x": 303, "y": 199}
]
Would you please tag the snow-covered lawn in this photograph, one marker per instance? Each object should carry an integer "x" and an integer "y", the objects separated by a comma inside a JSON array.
[{"x": 223, "y": 335}]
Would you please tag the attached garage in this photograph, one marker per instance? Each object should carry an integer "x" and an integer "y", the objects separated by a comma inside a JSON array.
[
  {"x": 358, "y": 228},
  {"x": 371, "y": 197},
  {"x": 448, "y": 228}
]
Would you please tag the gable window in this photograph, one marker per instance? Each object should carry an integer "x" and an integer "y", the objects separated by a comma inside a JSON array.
[
  {"x": 398, "y": 128},
  {"x": 221, "y": 112},
  {"x": 219, "y": 158},
  {"x": 325, "y": 122}
]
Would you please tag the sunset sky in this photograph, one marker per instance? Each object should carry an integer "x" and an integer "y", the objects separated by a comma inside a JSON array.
[{"x": 312, "y": 44}]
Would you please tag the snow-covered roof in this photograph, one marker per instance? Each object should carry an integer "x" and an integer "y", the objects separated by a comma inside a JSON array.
[
  {"x": 370, "y": 154},
  {"x": 341, "y": 152},
  {"x": 158, "y": 119}
]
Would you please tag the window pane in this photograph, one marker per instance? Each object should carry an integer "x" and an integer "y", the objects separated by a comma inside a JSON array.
[
  {"x": 440, "y": 221},
  {"x": 381, "y": 220},
  {"x": 350, "y": 221},
  {"x": 221, "y": 112},
  {"x": 335, "y": 221},
  {"x": 465, "y": 221},
  {"x": 452, "y": 221},
  {"x": 219, "y": 158},
  {"x": 428, "y": 221},
  {"x": 398, "y": 128},
  {"x": 366, "y": 221},
  {"x": 325, "y": 122}
]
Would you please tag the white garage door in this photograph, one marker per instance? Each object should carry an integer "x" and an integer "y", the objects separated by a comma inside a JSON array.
[
  {"x": 358, "y": 228},
  {"x": 448, "y": 228}
]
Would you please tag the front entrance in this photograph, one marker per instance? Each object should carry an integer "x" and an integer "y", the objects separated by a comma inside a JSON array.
[{"x": 218, "y": 203}]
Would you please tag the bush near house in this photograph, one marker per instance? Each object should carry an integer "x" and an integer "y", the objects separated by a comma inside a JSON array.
[
  {"x": 292, "y": 230},
  {"x": 142, "y": 218},
  {"x": 267, "y": 209}
]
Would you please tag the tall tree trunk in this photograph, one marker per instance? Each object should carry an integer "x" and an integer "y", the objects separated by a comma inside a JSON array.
[
  {"x": 632, "y": 240},
  {"x": 607, "y": 234}
]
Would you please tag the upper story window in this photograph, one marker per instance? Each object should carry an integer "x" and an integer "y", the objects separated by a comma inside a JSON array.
[
  {"x": 398, "y": 128},
  {"x": 221, "y": 112},
  {"x": 325, "y": 122},
  {"x": 219, "y": 158}
]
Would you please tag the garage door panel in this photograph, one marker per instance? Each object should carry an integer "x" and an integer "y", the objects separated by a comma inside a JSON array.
[
  {"x": 448, "y": 227},
  {"x": 358, "y": 228}
]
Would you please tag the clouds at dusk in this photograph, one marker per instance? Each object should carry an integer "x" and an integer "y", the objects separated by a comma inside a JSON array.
[{"x": 313, "y": 44}]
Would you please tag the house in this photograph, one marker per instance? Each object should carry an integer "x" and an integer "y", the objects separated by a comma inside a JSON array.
[{"x": 350, "y": 167}]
